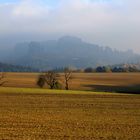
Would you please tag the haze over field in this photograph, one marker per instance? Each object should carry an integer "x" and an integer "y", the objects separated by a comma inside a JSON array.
[{"x": 113, "y": 23}]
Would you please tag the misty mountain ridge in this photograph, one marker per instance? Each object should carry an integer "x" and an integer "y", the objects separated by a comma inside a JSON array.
[{"x": 67, "y": 51}]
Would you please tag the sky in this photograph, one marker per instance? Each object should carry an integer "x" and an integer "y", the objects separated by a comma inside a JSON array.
[{"x": 113, "y": 23}]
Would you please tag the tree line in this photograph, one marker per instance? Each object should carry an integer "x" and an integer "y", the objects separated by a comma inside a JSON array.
[
  {"x": 99, "y": 69},
  {"x": 112, "y": 69},
  {"x": 15, "y": 68}
]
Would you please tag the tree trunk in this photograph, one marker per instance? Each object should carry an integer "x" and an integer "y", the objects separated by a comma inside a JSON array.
[{"x": 67, "y": 86}]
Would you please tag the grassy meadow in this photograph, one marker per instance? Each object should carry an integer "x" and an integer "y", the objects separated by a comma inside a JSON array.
[{"x": 30, "y": 113}]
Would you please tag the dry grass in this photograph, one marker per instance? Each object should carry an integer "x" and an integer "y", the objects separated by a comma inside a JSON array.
[
  {"x": 111, "y": 82},
  {"x": 77, "y": 116},
  {"x": 40, "y": 114}
]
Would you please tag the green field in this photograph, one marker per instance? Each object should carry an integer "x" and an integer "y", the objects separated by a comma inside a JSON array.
[{"x": 40, "y": 114}]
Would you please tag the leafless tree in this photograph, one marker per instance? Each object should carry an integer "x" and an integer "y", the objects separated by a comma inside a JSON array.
[
  {"x": 51, "y": 79},
  {"x": 68, "y": 76},
  {"x": 2, "y": 77}
]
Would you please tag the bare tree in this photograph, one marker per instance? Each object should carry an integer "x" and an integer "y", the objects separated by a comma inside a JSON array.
[
  {"x": 68, "y": 76},
  {"x": 2, "y": 77},
  {"x": 51, "y": 79}
]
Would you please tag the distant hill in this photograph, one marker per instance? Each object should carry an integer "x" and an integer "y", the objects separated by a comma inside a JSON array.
[
  {"x": 68, "y": 51},
  {"x": 14, "y": 68}
]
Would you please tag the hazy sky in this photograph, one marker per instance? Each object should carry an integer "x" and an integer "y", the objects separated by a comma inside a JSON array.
[{"x": 114, "y": 23}]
